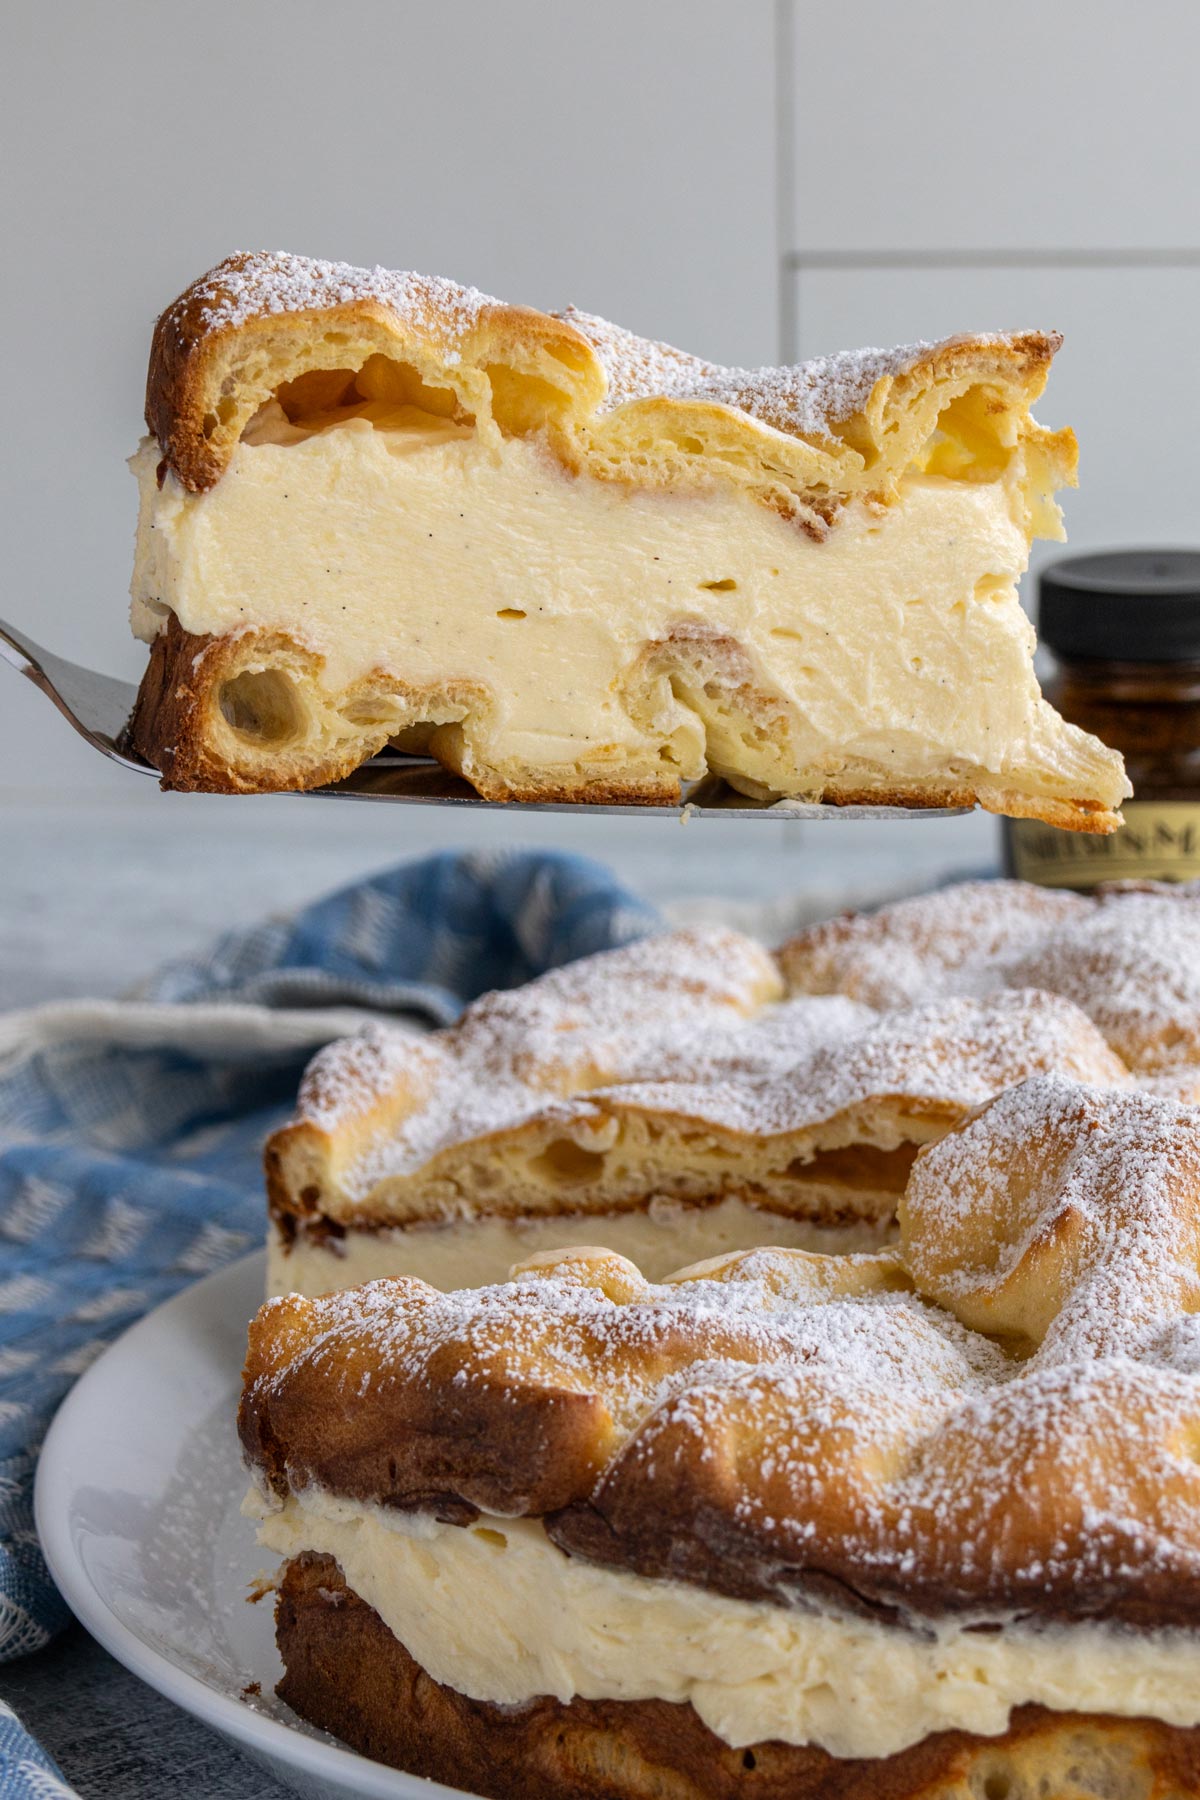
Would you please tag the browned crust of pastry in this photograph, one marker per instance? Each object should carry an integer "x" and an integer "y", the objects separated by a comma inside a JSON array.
[
  {"x": 346, "y": 1673},
  {"x": 678, "y": 1525},
  {"x": 478, "y": 1447},
  {"x": 715, "y": 1434},
  {"x": 229, "y": 341},
  {"x": 169, "y": 725},
  {"x": 1068, "y": 815},
  {"x": 189, "y": 374},
  {"x": 179, "y": 728},
  {"x": 177, "y": 717},
  {"x": 828, "y": 1157},
  {"x": 471, "y": 1440}
]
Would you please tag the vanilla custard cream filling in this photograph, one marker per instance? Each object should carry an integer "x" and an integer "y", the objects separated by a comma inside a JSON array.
[
  {"x": 475, "y": 1252},
  {"x": 499, "y": 1613},
  {"x": 416, "y": 548}
]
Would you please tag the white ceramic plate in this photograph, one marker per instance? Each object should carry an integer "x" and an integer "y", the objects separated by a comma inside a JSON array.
[{"x": 138, "y": 1495}]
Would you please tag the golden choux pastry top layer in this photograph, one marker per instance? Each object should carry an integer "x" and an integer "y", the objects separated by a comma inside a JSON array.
[
  {"x": 576, "y": 564},
  {"x": 694, "y": 1093},
  {"x": 1127, "y": 954},
  {"x": 999, "y": 1417},
  {"x": 674, "y": 1070}
]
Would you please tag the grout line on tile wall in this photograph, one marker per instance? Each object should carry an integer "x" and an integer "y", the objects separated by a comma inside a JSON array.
[
  {"x": 801, "y": 262},
  {"x": 785, "y": 167},
  {"x": 1180, "y": 257}
]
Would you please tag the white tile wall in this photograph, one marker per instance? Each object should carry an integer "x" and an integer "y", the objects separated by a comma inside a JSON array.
[
  {"x": 948, "y": 167},
  {"x": 943, "y": 124},
  {"x": 618, "y": 155},
  {"x": 1127, "y": 378}
]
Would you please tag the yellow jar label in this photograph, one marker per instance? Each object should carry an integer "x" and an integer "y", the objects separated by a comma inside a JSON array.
[{"x": 1159, "y": 841}]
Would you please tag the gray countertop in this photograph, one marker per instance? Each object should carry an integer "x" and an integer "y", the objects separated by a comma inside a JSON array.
[{"x": 96, "y": 892}]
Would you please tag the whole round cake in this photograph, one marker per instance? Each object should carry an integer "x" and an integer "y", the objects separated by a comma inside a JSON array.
[{"x": 800, "y": 1519}]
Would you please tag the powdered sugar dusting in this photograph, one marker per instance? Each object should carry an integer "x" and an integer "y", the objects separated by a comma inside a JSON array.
[
  {"x": 1004, "y": 1415},
  {"x": 1064, "y": 1215},
  {"x": 348, "y": 1079},
  {"x": 1133, "y": 965},
  {"x": 804, "y": 399},
  {"x": 1129, "y": 957},
  {"x": 807, "y": 399},
  {"x": 804, "y": 1417},
  {"x": 951, "y": 942},
  {"x": 515, "y": 1052},
  {"x": 685, "y": 1027},
  {"x": 812, "y": 1061},
  {"x": 276, "y": 282}
]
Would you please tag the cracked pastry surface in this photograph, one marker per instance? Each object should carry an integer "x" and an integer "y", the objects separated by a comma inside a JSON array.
[
  {"x": 667, "y": 1099},
  {"x": 979, "y": 1445},
  {"x": 1128, "y": 954},
  {"x": 908, "y": 1516},
  {"x": 573, "y": 563}
]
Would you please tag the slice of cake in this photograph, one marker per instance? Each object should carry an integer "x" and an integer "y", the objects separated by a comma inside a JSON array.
[
  {"x": 666, "y": 1099},
  {"x": 922, "y": 1524},
  {"x": 577, "y": 565}
]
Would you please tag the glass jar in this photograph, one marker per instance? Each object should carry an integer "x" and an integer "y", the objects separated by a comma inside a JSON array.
[{"x": 1124, "y": 628}]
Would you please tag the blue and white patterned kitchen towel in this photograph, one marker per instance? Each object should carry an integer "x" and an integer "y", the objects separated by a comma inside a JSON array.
[{"x": 130, "y": 1133}]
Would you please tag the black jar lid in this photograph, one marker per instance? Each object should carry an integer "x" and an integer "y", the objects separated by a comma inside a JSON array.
[{"x": 1130, "y": 605}]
